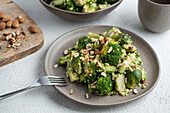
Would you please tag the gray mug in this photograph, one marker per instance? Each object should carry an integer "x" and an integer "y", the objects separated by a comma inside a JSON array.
[{"x": 155, "y": 14}]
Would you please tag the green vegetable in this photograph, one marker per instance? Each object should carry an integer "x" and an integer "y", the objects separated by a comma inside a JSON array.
[
  {"x": 109, "y": 69},
  {"x": 129, "y": 48},
  {"x": 93, "y": 35},
  {"x": 63, "y": 60},
  {"x": 90, "y": 8},
  {"x": 113, "y": 58},
  {"x": 103, "y": 86},
  {"x": 133, "y": 78},
  {"x": 57, "y": 3},
  {"x": 127, "y": 62},
  {"x": 82, "y": 43},
  {"x": 76, "y": 64},
  {"x": 120, "y": 83},
  {"x": 102, "y": 6}
]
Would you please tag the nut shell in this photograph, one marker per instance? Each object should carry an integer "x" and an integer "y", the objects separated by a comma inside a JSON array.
[
  {"x": 2, "y": 15},
  {"x": 21, "y": 19},
  {"x": 2, "y": 26},
  {"x": 15, "y": 23}
]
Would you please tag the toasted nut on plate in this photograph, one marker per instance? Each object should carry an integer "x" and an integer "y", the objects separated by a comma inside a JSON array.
[
  {"x": 21, "y": 19},
  {"x": 17, "y": 33},
  {"x": 3, "y": 37},
  {"x": 18, "y": 37},
  {"x": 15, "y": 23},
  {"x": 9, "y": 24},
  {"x": 2, "y": 26},
  {"x": 135, "y": 91},
  {"x": 6, "y": 19},
  {"x": 55, "y": 66},
  {"x": 71, "y": 91},
  {"x": 2, "y": 15},
  {"x": 33, "y": 29},
  {"x": 87, "y": 96}
]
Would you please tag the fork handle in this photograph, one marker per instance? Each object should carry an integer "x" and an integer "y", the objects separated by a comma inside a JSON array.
[{"x": 4, "y": 96}]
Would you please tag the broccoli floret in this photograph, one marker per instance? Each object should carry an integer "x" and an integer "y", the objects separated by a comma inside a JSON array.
[
  {"x": 138, "y": 60},
  {"x": 129, "y": 48},
  {"x": 83, "y": 41},
  {"x": 63, "y": 60},
  {"x": 113, "y": 57},
  {"x": 70, "y": 6},
  {"x": 76, "y": 64},
  {"x": 107, "y": 1},
  {"x": 88, "y": 79},
  {"x": 103, "y": 86},
  {"x": 133, "y": 78},
  {"x": 124, "y": 39},
  {"x": 72, "y": 75}
]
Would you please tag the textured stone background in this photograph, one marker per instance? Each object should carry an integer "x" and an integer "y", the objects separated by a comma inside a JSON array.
[{"x": 48, "y": 100}]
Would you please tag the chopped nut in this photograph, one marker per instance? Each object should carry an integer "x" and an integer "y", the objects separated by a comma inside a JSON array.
[
  {"x": 17, "y": 33},
  {"x": 130, "y": 47},
  {"x": 3, "y": 37},
  {"x": 143, "y": 81},
  {"x": 18, "y": 37},
  {"x": 85, "y": 40},
  {"x": 99, "y": 64},
  {"x": 94, "y": 83},
  {"x": 13, "y": 34},
  {"x": 89, "y": 46},
  {"x": 130, "y": 69},
  {"x": 84, "y": 51},
  {"x": 90, "y": 73},
  {"x": 91, "y": 57},
  {"x": 71, "y": 91},
  {"x": 93, "y": 87},
  {"x": 92, "y": 52},
  {"x": 110, "y": 49},
  {"x": 103, "y": 74},
  {"x": 87, "y": 96},
  {"x": 135, "y": 91},
  {"x": 9, "y": 45},
  {"x": 66, "y": 52},
  {"x": 55, "y": 66}
]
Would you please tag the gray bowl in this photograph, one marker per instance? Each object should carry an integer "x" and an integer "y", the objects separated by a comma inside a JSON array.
[{"x": 74, "y": 16}]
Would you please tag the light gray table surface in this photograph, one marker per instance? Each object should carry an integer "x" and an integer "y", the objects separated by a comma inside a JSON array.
[{"x": 47, "y": 99}]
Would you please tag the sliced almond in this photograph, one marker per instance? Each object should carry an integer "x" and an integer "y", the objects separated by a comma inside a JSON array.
[
  {"x": 15, "y": 23},
  {"x": 3, "y": 37},
  {"x": 2, "y": 15},
  {"x": 9, "y": 24},
  {"x": 33, "y": 29},
  {"x": 18, "y": 37},
  {"x": 21, "y": 19},
  {"x": 87, "y": 96},
  {"x": 6, "y": 19},
  {"x": 71, "y": 91},
  {"x": 2, "y": 26}
]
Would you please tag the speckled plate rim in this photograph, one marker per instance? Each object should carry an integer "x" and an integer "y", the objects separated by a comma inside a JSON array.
[
  {"x": 104, "y": 105},
  {"x": 77, "y": 13}
]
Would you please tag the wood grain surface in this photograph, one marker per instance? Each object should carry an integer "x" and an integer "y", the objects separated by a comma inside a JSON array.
[{"x": 31, "y": 44}]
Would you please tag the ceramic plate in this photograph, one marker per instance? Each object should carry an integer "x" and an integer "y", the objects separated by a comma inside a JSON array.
[{"x": 150, "y": 64}]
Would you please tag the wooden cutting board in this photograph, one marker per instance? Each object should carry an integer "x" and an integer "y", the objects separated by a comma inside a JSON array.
[{"x": 31, "y": 44}]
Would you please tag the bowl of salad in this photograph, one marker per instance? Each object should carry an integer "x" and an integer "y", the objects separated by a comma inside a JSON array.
[{"x": 80, "y": 10}]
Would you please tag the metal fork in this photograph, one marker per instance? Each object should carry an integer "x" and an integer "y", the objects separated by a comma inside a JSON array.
[{"x": 42, "y": 81}]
